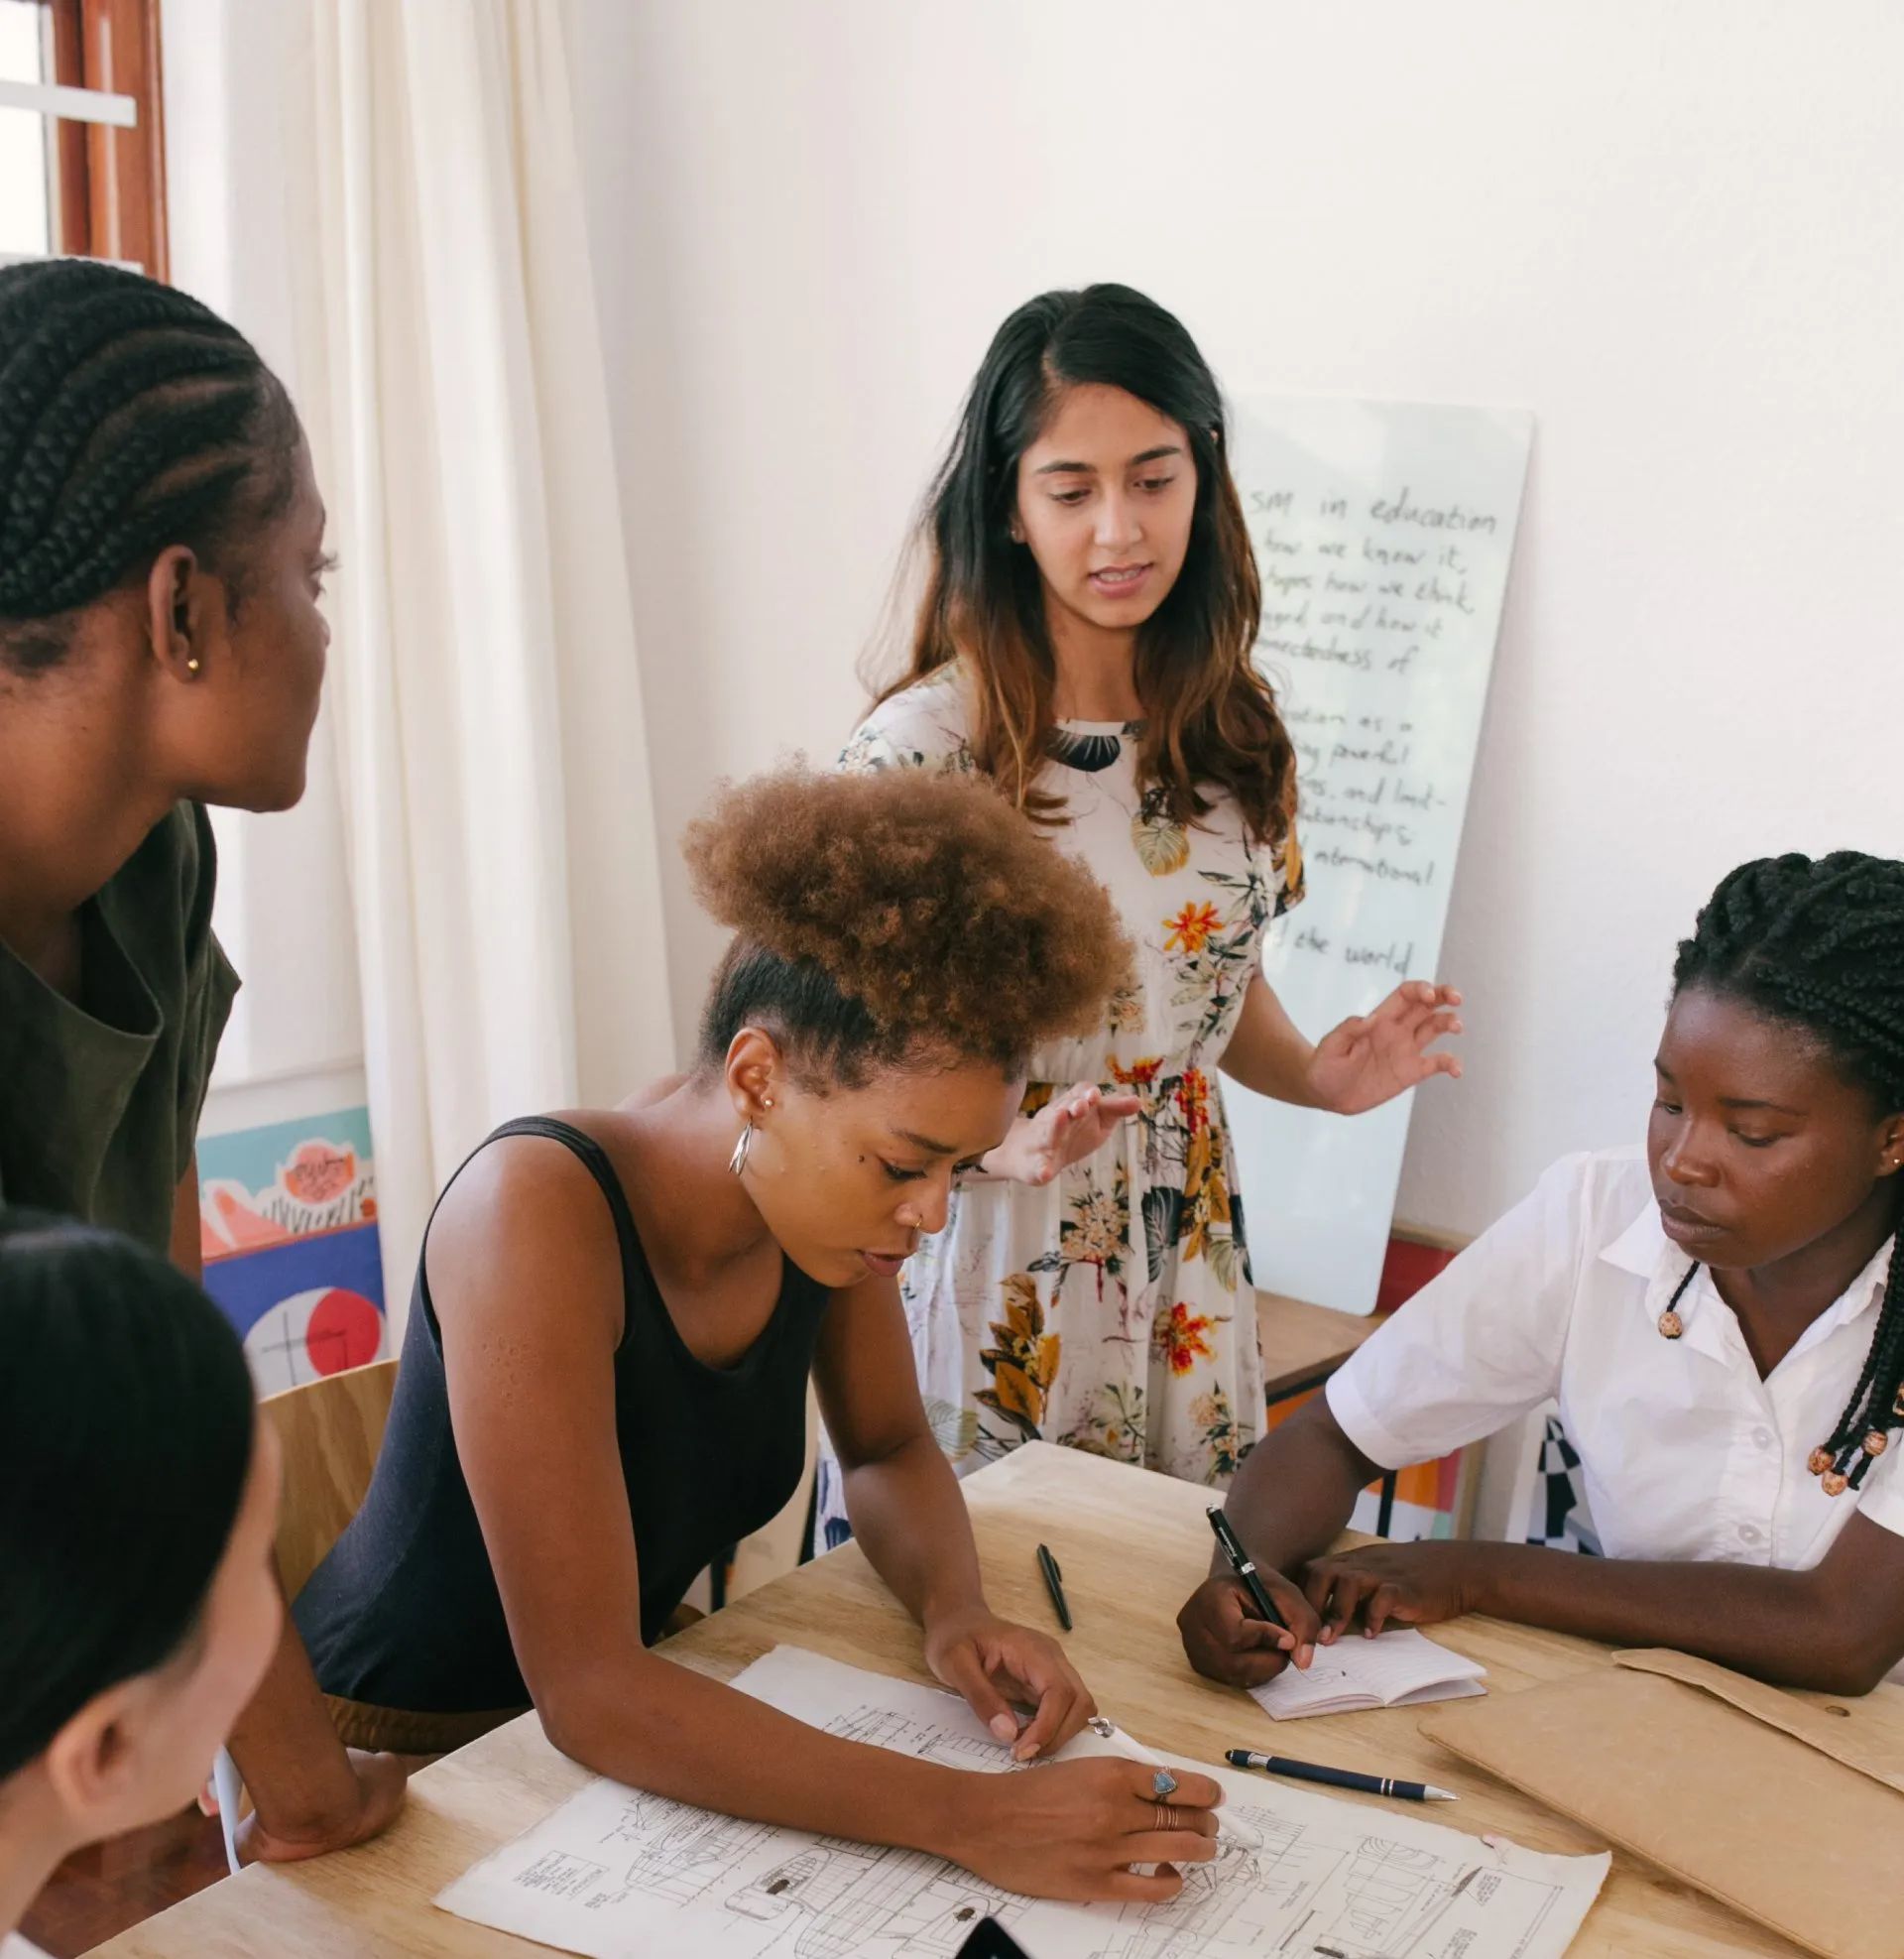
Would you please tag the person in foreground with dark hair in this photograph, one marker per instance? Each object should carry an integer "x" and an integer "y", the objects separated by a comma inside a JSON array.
[
  {"x": 138, "y": 1502},
  {"x": 1087, "y": 642},
  {"x": 1721, "y": 1320},
  {"x": 604, "y": 1377},
  {"x": 162, "y": 558}
]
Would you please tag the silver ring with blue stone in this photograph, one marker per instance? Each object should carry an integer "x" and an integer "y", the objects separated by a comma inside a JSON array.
[{"x": 1164, "y": 1783}]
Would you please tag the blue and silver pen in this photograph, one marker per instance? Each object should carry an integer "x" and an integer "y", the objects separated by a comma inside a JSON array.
[{"x": 1338, "y": 1779}]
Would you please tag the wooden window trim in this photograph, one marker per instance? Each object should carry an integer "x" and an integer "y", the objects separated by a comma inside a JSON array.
[{"x": 112, "y": 181}]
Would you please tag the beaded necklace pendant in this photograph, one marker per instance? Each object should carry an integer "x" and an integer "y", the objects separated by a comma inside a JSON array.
[{"x": 1670, "y": 1326}]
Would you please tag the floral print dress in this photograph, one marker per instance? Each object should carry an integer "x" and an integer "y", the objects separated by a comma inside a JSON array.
[{"x": 1111, "y": 1309}]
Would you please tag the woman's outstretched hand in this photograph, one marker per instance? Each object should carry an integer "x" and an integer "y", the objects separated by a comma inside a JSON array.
[
  {"x": 1076, "y": 1123},
  {"x": 1372, "y": 1057}
]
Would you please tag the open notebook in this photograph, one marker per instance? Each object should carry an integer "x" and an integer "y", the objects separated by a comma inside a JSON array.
[{"x": 1398, "y": 1668}]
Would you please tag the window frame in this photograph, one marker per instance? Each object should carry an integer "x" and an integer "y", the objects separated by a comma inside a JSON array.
[{"x": 110, "y": 199}]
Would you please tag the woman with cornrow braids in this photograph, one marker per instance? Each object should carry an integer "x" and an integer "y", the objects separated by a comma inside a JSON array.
[
  {"x": 1721, "y": 1317},
  {"x": 162, "y": 558}
]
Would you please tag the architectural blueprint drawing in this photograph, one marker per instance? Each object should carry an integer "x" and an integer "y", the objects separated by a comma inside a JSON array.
[{"x": 616, "y": 1872}]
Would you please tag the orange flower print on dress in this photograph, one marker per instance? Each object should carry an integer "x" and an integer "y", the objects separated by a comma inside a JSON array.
[
  {"x": 1193, "y": 1098},
  {"x": 1025, "y": 1362},
  {"x": 1179, "y": 1337},
  {"x": 1141, "y": 1075},
  {"x": 1187, "y": 932},
  {"x": 1289, "y": 864}
]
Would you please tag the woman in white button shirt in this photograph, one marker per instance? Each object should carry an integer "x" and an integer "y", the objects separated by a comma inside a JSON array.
[
  {"x": 138, "y": 1502},
  {"x": 1720, "y": 1317}
]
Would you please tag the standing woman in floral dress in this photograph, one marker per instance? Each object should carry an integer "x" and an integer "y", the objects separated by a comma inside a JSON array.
[{"x": 1086, "y": 639}]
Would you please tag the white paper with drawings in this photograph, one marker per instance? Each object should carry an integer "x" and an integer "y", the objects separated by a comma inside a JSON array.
[
  {"x": 1384, "y": 531},
  {"x": 614, "y": 1872}
]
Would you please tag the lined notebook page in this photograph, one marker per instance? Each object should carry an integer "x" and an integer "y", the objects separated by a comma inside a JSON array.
[{"x": 1403, "y": 1665}]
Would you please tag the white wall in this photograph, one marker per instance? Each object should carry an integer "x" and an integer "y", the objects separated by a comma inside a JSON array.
[
  {"x": 1672, "y": 230},
  {"x": 283, "y": 900}
]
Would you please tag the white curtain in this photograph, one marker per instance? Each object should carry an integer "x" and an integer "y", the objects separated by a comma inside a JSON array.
[{"x": 501, "y": 852}]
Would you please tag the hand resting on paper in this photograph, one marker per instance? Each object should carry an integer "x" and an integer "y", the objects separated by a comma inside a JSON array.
[
  {"x": 1288, "y": 1503},
  {"x": 995, "y": 1664},
  {"x": 1389, "y": 1585},
  {"x": 1073, "y": 1829}
]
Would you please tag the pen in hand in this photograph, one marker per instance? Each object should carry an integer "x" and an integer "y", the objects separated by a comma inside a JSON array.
[{"x": 1240, "y": 1562}]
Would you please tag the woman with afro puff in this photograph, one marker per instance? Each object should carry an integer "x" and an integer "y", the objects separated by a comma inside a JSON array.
[{"x": 617, "y": 1312}]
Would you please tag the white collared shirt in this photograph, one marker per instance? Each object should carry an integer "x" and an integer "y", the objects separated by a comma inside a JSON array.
[
  {"x": 1686, "y": 1453},
  {"x": 13, "y": 1946}
]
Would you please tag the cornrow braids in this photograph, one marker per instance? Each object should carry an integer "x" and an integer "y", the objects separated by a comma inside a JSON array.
[
  {"x": 131, "y": 418},
  {"x": 1819, "y": 943}
]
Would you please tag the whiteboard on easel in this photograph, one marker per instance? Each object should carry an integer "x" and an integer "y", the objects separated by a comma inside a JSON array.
[{"x": 1384, "y": 531}]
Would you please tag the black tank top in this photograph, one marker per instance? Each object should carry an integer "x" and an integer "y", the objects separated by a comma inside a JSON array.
[{"x": 405, "y": 1611}]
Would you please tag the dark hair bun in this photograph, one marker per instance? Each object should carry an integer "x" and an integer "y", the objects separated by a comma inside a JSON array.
[{"x": 927, "y": 901}]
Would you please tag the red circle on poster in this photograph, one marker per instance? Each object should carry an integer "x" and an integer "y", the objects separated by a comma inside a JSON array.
[{"x": 344, "y": 1331}]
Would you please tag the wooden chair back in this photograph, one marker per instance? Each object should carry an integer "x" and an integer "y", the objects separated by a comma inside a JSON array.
[{"x": 330, "y": 1432}]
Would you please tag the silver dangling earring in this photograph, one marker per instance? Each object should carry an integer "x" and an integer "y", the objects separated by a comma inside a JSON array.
[{"x": 738, "y": 1162}]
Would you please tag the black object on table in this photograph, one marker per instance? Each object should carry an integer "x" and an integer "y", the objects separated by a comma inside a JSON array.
[
  {"x": 991, "y": 1940},
  {"x": 1054, "y": 1584}
]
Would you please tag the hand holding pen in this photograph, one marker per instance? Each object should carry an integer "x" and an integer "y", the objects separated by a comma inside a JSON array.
[{"x": 1245, "y": 1626}]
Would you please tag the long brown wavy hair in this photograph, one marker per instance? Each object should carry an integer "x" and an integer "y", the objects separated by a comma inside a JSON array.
[{"x": 1210, "y": 716}]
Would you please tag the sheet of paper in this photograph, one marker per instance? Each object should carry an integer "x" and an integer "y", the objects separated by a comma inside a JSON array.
[
  {"x": 614, "y": 1872},
  {"x": 1400, "y": 1664}
]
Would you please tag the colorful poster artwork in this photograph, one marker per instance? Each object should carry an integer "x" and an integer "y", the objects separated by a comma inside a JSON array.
[{"x": 287, "y": 1220}]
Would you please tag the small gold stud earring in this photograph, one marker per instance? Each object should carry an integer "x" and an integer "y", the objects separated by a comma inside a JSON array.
[
  {"x": 766, "y": 1101},
  {"x": 191, "y": 664}
]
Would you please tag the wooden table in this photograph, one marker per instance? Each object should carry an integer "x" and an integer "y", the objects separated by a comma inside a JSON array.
[{"x": 1131, "y": 1544}]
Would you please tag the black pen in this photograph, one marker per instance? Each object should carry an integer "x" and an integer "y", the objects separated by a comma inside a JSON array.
[
  {"x": 1338, "y": 1779},
  {"x": 1240, "y": 1563},
  {"x": 1054, "y": 1584}
]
